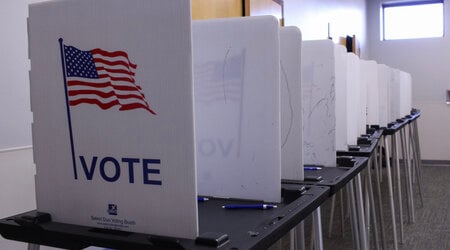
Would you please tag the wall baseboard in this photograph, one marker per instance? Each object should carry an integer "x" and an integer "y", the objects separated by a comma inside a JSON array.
[
  {"x": 436, "y": 162},
  {"x": 15, "y": 149}
]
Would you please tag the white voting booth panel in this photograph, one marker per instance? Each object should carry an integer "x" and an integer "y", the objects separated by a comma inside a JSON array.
[
  {"x": 291, "y": 109},
  {"x": 383, "y": 95},
  {"x": 405, "y": 93},
  {"x": 353, "y": 96},
  {"x": 318, "y": 102},
  {"x": 364, "y": 73},
  {"x": 394, "y": 95},
  {"x": 237, "y": 107},
  {"x": 368, "y": 76},
  {"x": 340, "y": 54},
  {"x": 372, "y": 93},
  {"x": 113, "y": 131}
]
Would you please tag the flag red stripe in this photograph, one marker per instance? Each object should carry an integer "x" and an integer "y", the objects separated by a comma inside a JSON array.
[
  {"x": 105, "y": 94},
  {"x": 113, "y": 54},
  {"x": 111, "y": 104},
  {"x": 136, "y": 106},
  {"x": 71, "y": 83},
  {"x": 96, "y": 102}
]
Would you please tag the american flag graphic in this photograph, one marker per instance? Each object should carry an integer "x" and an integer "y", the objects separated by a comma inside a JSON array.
[
  {"x": 217, "y": 81},
  {"x": 102, "y": 78}
]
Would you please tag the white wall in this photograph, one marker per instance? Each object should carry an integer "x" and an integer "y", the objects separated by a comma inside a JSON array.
[
  {"x": 17, "y": 193},
  {"x": 16, "y": 117},
  {"x": 428, "y": 62},
  {"x": 346, "y": 17},
  {"x": 16, "y": 166}
]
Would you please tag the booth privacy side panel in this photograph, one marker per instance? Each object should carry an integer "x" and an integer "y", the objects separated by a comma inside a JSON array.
[
  {"x": 291, "y": 103},
  {"x": 112, "y": 101},
  {"x": 383, "y": 94},
  {"x": 368, "y": 77},
  {"x": 405, "y": 93},
  {"x": 394, "y": 95},
  {"x": 353, "y": 95},
  {"x": 237, "y": 107},
  {"x": 340, "y": 54},
  {"x": 318, "y": 102},
  {"x": 364, "y": 71},
  {"x": 373, "y": 117}
]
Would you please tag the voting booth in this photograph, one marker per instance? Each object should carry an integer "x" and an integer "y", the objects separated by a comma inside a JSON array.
[
  {"x": 112, "y": 101},
  {"x": 394, "y": 94},
  {"x": 318, "y": 102},
  {"x": 340, "y": 54},
  {"x": 406, "y": 93},
  {"x": 373, "y": 116},
  {"x": 237, "y": 107},
  {"x": 383, "y": 95},
  {"x": 291, "y": 104},
  {"x": 353, "y": 98},
  {"x": 367, "y": 77}
]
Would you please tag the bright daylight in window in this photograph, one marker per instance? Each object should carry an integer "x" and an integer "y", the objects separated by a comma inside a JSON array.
[{"x": 413, "y": 19}]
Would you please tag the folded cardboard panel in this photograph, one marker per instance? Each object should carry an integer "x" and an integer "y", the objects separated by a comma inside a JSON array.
[
  {"x": 291, "y": 104},
  {"x": 364, "y": 72},
  {"x": 237, "y": 107},
  {"x": 372, "y": 92},
  {"x": 340, "y": 53},
  {"x": 353, "y": 98},
  {"x": 112, "y": 100},
  {"x": 405, "y": 93},
  {"x": 318, "y": 102},
  {"x": 394, "y": 95},
  {"x": 383, "y": 94}
]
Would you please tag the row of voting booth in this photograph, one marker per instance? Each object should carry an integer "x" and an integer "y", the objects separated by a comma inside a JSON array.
[
  {"x": 342, "y": 95},
  {"x": 137, "y": 110},
  {"x": 343, "y": 98}
]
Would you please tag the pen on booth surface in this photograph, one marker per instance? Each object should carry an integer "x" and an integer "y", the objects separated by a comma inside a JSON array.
[
  {"x": 312, "y": 168},
  {"x": 249, "y": 206},
  {"x": 202, "y": 199}
]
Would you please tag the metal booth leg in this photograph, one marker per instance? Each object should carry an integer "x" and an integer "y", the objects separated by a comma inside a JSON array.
[
  {"x": 395, "y": 148},
  {"x": 391, "y": 193},
  {"x": 409, "y": 189},
  {"x": 372, "y": 204},
  {"x": 353, "y": 215},
  {"x": 360, "y": 211},
  {"x": 318, "y": 242},
  {"x": 416, "y": 160},
  {"x": 33, "y": 246},
  {"x": 298, "y": 237},
  {"x": 380, "y": 203}
]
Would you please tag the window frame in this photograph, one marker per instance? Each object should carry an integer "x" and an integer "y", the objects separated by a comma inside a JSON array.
[{"x": 385, "y": 5}]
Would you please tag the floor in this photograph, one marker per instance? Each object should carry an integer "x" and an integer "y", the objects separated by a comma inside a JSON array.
[{"x": 431, "y": 229}]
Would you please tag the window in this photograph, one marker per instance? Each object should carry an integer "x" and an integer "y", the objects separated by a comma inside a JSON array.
[{"x": 412, "y": 19}]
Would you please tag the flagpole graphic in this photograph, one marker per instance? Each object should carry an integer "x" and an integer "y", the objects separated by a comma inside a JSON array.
[
  {"x": 101, "y": 78},
  {"x": 69, "y": 119}
]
